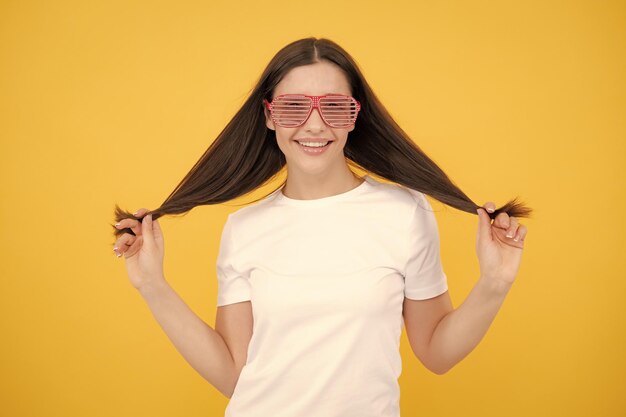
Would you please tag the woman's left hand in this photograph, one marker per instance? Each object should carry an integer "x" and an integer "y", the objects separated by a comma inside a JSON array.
[{"x": 499, "y": 255}]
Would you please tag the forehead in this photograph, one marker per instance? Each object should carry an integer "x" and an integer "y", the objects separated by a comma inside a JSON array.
[{"x": 315, "y": 79}]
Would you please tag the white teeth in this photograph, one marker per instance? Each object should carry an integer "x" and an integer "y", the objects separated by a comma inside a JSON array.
[{"x": 314, "y": 144}]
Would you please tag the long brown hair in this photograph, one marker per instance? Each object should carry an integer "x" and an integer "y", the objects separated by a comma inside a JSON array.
[{"x": 246, "y": 156}]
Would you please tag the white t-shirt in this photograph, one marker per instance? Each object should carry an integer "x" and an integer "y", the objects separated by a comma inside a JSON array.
[{"x": 327, "y": 279}]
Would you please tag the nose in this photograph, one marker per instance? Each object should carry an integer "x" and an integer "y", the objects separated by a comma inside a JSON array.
[{"x": 315, "y": 120}]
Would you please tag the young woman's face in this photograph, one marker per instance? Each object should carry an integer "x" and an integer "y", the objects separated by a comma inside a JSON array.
[{"x": 315, "y": 79}]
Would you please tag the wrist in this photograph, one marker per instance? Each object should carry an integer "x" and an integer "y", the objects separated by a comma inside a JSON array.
[
  {"x": 494, "y": 285},
  {"x": 153, "y": 286}
]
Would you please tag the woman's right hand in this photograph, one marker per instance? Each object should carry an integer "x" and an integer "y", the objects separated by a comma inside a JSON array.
[{"x": 143, "y": 252}]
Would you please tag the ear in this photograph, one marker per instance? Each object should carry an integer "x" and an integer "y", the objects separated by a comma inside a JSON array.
[{"x": 268, "y": 119}]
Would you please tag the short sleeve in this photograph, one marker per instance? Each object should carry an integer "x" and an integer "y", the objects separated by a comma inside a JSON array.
[
  {"x": 424, "y": 276},
  {"x": 232, "y": 285}
]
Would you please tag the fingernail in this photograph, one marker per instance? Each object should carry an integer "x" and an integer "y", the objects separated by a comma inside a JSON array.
[
  {"x": 136, "y": 213},
  {"x": 490, "y": 210},
  {"x": 117, "y": 224}
]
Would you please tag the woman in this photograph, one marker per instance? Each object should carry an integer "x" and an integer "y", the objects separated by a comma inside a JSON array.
[{"x": 316, "y": 280}]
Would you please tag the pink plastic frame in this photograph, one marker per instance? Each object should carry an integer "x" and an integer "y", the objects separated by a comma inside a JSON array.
[{"x": 315, "y": 105}]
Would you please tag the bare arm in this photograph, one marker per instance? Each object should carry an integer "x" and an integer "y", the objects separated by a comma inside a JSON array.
[
  {"x": 440, "y": 335},
  {"x": 202, "y": 346},
  {"x": 460, "y": 330}
]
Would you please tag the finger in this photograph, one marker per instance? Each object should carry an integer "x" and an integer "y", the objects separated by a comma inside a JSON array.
[
  {"x": 134, "y": 247},
  {"x": 123, "y": 243},
  {"x": 117, "y": 245},
  {"x": 148, "y": 234},
  {"x": 521, "y": 234},
  {"x": 490, "y": 206},
  {"x": 133, "y": 224},
  {"x": 156, "y": 228},
  {"x": 502, "y": 221},
  {"x": 484, "y": 225},
  {"x": 513, "y": 225},
  {"x": 141, "y": 212}
]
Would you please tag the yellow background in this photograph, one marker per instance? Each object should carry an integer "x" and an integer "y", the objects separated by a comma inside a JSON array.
[{"x": 113, "y": 101}]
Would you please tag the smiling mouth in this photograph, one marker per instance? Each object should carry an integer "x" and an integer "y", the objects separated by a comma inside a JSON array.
[
  {"x": 316, "y": 146},
  {"x": 313, "y": 141},
  {"x": 314, "y": 150}
]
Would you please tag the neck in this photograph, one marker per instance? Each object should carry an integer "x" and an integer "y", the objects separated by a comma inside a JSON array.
[{"x": 305, "y": 186}]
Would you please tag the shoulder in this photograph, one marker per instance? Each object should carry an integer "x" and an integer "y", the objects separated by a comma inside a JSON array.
[
  {"x": 399, "y": 195},
  {"x": 253, "y": 211},
  {"x": 409, "y": 208}
]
